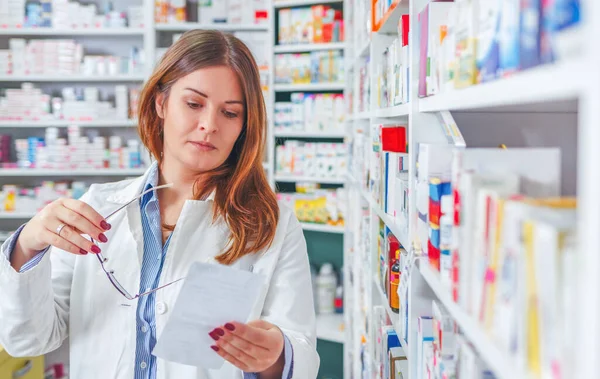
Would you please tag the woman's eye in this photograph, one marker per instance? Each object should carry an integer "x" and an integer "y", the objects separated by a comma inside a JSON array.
[
  {"x": 230, "y": 114},
  {"x": 193, "y": 105}
]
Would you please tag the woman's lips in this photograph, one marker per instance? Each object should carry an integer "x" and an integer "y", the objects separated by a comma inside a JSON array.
[{"x": 203, "y": 146}]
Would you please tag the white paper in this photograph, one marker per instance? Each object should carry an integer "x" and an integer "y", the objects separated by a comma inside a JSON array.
[{"x": 211, "y": 296}]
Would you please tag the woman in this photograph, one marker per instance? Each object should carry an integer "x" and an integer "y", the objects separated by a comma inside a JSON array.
[{"x": 202, "y": 116}]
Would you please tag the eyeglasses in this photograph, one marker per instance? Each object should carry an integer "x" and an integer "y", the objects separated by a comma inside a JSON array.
[{"x": 111, "y": 273}]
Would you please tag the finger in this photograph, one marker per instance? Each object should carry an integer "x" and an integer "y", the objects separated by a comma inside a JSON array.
[
  {"x": 252, "y": 350},
  {"x": 78, "y": 222},
  {"x": 252, "y": 334},
  {"x": 71, "y": 235},
  {"x": 225, "y": 354},
  {"x": 88, "y": 212},
  {"x": 55, "y": 240}
]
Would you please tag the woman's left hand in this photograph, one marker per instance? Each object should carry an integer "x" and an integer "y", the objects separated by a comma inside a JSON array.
[{"x": 253, "y": 347}]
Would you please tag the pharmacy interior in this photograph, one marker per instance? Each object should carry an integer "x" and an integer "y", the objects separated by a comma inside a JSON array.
[{"x": 438, "y": 154}]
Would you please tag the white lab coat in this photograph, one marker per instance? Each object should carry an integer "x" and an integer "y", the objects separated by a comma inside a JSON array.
[{"x": 70, "y": 296}]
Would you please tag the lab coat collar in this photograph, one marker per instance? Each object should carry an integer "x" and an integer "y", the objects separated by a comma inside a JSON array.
[{"x": 136, "y": 186}]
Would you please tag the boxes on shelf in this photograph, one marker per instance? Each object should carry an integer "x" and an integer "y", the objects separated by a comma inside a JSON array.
[
  {"x": 76, "y": 151},
  {"x": 467, "y": 42},
  {"x": 64, "y": 57},
  {"x": 311, "y": 113},
  {"x": 313, "y": 67},
  {"x": 30, "y": 200},
  {"x": 318, "y": 206},
  {"x": 393, "y": 70},
  {"x": 316, "y": 24},
  {"x": 29, "y": 103},
  {"x": 316, "y": 160},
  {"x": 211, "y": 11}
]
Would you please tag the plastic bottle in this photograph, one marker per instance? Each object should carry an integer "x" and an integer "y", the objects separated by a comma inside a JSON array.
[
  {"x": 394, "y": 282},
  {"x": 326, "y": 287},
  {"x": 339, "y": 300}
]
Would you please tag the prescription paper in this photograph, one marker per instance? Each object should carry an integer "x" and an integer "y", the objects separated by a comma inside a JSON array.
[{"x": 211, "y": 296}]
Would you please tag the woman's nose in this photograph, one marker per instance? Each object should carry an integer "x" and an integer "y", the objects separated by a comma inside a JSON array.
[{"x": 208, "y": 121}]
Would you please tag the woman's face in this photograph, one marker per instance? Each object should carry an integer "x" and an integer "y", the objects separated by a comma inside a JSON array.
[{"x": 203, "y": 117}]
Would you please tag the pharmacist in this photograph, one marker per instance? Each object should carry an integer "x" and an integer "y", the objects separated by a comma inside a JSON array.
[{"x": 203, "y": 118}]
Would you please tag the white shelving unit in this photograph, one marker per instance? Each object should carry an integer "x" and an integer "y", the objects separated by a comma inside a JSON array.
[
  {"x": 302, "y": 3},
  {"x": 4, "y": 173},
  {"x": 550, "y": 105},
  {"x": 65, "y": 123},
  {"x": 298, "y": 48},
  {"x": 97, "y": 32},
  {"x": 323, "y": 228},
  {"x": 294, "y": 179},
  {"x": 309, "y": 87},
  {"x": 72, "y": 78},
  {"x": 302, "y": 134},
  {"x": 330, "y": 328},
  {"x": 182, "y": 27}
]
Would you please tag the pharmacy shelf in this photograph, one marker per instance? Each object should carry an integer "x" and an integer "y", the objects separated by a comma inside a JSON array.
[
  {"x": 500, "y": 364},
  {"x": 393, "y": 316},
  {"x": 393, "y": 112},
  {"x": 298, "y": 48},
  {"x": 16, "y": 215},
  {"x": 81, "y": 172},
  {"x": 71, "y": 78},
  {"x": 96, "y": 32},
  {"x": 294, "y": 179},
  {"x": 65, "y": 123},
  {"x": 361, "y": 116},
  {"x": 389, "y": 22},
  {"x": 530, "y": 87},
  {"x": 302, "y": 134},
  {"x": 331, "y": 328},
  {"x": 322, "y": 228},
  {"x": 309, "y": 87},
  {"x": 303, "y": 3},
  {"x": 399, "y": 231},
  {"x": 185, "y": 26}
]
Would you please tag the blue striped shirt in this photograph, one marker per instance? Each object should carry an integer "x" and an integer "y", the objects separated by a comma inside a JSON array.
[{"x": 152, "y": 264}]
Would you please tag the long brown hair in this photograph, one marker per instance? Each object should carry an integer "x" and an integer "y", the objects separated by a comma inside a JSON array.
[{"x": 243, "y": 196}]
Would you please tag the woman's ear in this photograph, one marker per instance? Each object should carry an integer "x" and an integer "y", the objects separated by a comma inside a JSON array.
[{"x": 159, "y": 105}]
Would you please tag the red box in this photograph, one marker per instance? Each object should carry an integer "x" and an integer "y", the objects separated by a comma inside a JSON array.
[
  {"x": 393, "y": 139},
  {"x": 405, "y": 29}
]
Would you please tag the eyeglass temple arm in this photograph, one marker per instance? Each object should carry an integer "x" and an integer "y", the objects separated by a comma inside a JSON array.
[
  {"x": 137, "y": 197},
  {"x": 157, "y": 288}
]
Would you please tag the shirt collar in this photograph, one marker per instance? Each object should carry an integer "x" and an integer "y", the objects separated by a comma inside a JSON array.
[{"x": 152, "y": 181}]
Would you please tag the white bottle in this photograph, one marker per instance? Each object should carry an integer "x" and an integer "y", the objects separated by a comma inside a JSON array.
[
  {"x": 326, "y": 286},
  {"x": 446, "y": 224}
]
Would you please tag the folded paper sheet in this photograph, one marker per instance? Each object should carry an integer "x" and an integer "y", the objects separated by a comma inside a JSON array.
[{"x": 211, "y": 296}]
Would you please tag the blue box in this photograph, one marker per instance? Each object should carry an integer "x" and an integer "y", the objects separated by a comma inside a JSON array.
[
  {"x": 531, "y": 31},
  {"x": 510, "y": 58},
  {"x": 488, "y": 49}
]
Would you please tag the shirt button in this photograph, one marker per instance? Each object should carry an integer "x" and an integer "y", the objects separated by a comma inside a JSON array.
[
  {"x": 161, "y": 308},
  {"x": 144, "y": 329},
  {"x": 143, "y": 365}
]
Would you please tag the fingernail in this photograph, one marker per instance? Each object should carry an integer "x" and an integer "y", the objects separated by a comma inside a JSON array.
[
  {"x": 105, "y": 225},
  {"x": 82, "y": 252},
  {"x": 96, "y": 249},
  {"x": 229, "y": 327},
  {"x": 214, "y": 348},
  {"x": 102, "y": 238},
  {"x": 219, "y": 332},
  {"x": 214, "y": 336}
]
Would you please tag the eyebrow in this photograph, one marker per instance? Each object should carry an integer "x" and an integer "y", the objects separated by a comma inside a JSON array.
[{"x": 206, "y": 96}]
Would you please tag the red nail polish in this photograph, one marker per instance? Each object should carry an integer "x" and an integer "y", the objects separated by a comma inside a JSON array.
[
  {"x": 214, "y": 336},
  {"x": 102, "y": 238},
  {"x": 82, "y": 252},
  {"x": 219, "y": 332},
  {"x": 229, "y": 327},
  {"x": 214, "y": 348},
  {"x": 105, "y": 225},
  {"x": 96, "y": 249}
]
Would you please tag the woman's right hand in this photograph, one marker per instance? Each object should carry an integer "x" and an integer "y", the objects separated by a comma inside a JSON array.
[{"x": 41, "y": 231}]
